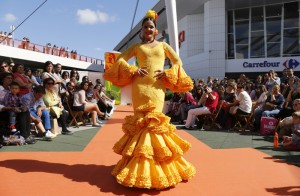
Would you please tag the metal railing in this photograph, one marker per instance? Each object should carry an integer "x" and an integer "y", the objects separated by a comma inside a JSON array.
[{"x": 48, "y": 50}]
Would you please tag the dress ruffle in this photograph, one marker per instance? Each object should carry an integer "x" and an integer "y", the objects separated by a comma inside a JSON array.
[{"x": 152, "y": 153}]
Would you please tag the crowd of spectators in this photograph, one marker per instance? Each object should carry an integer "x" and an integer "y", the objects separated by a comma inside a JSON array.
[
  {"x": 5, "y": 38},
  {"x": 267, "y": 95},
  {"x": 33, "y": 97}
]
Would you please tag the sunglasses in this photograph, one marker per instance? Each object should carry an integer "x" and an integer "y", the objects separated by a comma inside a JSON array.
[
  {"x": 239, "y": 87},
  {"x": 50, "y": 83},
  {"x": 4, "y": 66}
]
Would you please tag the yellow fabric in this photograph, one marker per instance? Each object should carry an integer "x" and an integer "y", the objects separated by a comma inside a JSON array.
[
  {"x": 151, "y": 151},
  {"x": 51, "y": 100}
]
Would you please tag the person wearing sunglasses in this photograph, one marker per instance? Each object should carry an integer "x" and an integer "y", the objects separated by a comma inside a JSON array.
[
  {"x": 4, "y": 67},
  {"x": 54, "y": 105}
]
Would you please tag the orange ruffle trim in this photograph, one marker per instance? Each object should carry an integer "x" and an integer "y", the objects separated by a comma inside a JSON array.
[{"x": 152, "y": 153}]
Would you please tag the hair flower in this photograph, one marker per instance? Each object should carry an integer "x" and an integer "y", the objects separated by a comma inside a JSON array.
[{"x": 151, "y": 14}]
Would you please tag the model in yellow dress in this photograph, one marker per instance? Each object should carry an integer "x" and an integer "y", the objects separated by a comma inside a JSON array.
[{"x": 151, "y": 151}]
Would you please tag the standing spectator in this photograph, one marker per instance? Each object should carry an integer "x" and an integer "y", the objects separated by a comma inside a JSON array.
[
  {"x": 19, "y": 77},
  {"x": 49, "y": 73},
  {"x": 66, "y": 77},
  {"x": 4, "y": 67},
  {"x": 8, "y": 39},
  {"x": 11, "y": 66},
  {"x": 289, "y": 73},
  {"x": 74, "y": 74}
]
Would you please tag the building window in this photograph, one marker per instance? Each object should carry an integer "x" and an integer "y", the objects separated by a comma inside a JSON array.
[{"x": 265, "y": 31}]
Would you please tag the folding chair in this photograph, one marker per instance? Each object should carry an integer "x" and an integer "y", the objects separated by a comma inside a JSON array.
[
  {"x": 77, "y": 116},
  {"x": 210, "y": 119},
  {"x": 244, "y": 121}
]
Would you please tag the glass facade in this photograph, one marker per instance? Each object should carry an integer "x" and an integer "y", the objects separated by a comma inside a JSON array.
[{"x": 266, "y": 31}]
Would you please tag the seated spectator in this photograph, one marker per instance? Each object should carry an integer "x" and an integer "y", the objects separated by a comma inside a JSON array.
[
  {"x": 80, "y": 104},
  {"x": 12, "y": 100},
  {"x": 243, "y": 103},
  {"x": 38, "y": 110},
  {"x": 29, "y": 74},
  {"x": 295, "y": 139},
  {"x": 261, "y": 94},
  {"x": 54, "y": 104},
  {"x": 210, "y": 101},
  {"x": 109, "y": 103},
  {"x": 37, "y": 74},
  {"x": 22, "y": 117},
  {"x": 274, "y": 103},
  {"x": 229, "y": 97},
  {"x": 24, "y": 82},
  {"x": 285, "y": 123},
  {"x": 188, "y": 102}
]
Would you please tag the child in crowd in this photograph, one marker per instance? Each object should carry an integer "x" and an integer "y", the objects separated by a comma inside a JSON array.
[
  {"x": 295, "y": 139},
  {"x": 12, "y": 100}
]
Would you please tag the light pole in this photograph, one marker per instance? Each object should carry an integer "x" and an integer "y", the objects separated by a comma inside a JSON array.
[{"x": 12, "y": 28}]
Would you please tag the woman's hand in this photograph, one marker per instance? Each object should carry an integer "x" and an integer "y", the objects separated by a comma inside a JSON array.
[
  {"x": 142, "y": 71},
  {"x": 159, "y": 74}
]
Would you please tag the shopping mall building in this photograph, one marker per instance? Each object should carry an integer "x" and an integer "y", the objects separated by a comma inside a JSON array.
[{"x": 229, "y": 37}]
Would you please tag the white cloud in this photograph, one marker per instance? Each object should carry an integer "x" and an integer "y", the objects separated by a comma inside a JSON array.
[
  {"x": 9, "y": 17},
  {"x": 87, "y": 16},
  {"x": 99, "y": 49}
]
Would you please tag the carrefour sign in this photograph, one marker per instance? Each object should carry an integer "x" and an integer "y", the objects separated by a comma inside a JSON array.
[{"x": 262, "y": 64}]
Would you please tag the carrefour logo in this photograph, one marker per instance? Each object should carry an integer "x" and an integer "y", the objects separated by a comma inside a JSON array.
[
  {"x": 261, "y": 64},
  {"x": 291, "y": 63}
]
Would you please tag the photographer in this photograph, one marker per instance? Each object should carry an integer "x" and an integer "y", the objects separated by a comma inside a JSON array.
[{"x": 210, "y": 101}]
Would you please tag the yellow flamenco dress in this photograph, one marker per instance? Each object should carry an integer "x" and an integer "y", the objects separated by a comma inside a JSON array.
[{"x": 151, "y": 151}]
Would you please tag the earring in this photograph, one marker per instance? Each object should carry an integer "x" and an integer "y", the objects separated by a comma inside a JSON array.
[
  {"x": 141, "y": 36},
  {"x": 156, "y": 32}
]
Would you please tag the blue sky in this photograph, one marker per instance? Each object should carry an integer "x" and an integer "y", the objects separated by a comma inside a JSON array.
[{"x": 92, "y": 27}]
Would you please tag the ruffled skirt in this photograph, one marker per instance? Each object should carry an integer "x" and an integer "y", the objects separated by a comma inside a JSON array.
[{"x": 151, "y": 153}]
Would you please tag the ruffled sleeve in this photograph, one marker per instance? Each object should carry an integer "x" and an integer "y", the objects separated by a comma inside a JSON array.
[
  {"x": 122, "y": 73},
  {"x": 176, "y": 79}
]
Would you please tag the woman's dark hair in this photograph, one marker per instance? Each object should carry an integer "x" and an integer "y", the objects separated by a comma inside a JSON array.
[
  {"x": 84, "y": 78},
  {"x": 14, "y": 69},
  {"x": 45, "y": 81},
  {"x": 65, "y": 73},
  {"x": 39, "y": 89},
  {"x": 82, "y": 85},
  {"x": 4, "y": 75},
  {"x": 47, "y": 63},
  {"x": 149, "y": 19}
]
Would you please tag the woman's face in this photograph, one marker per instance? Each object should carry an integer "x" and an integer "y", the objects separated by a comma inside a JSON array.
[
  {"x": 28, "y": 72},
  {"x": 65, "y": 76},
  {"x": 49, "y": 68},
  {"x": 86, "y": 86},
  {"x": 49, "y": 85},
  {"x": 7, "y": 80},
  {"x": 20, "y": 69},
  {"x": 148, "y": 30}
]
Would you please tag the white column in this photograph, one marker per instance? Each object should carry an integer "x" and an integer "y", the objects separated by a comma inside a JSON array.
[{"x": 172, "y": 24}]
